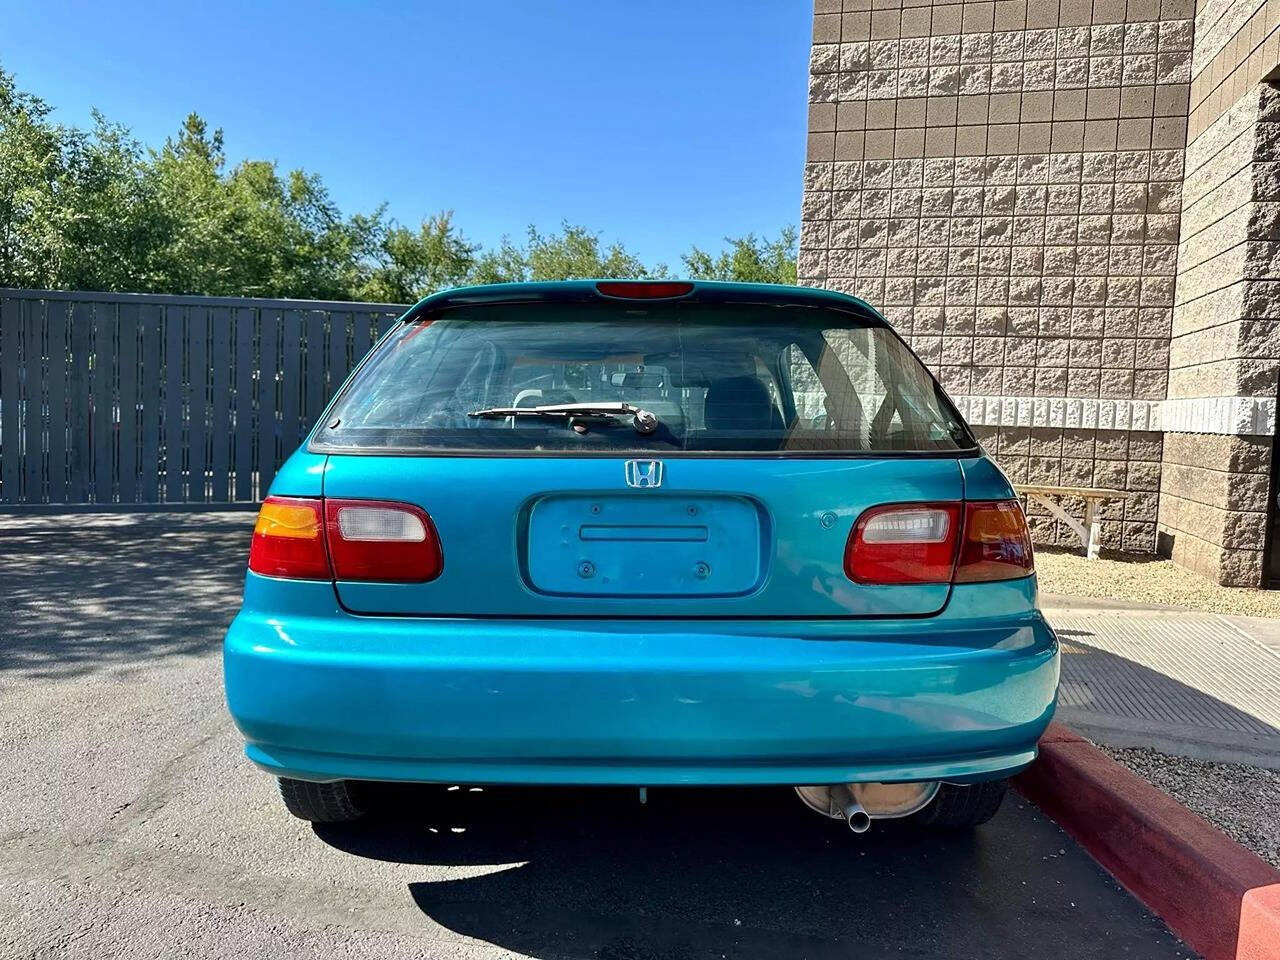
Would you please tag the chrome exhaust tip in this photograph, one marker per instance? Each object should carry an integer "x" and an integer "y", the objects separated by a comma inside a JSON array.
[
  {"x": 858, "y": 819},
  {"x": 860, "y": 803}
]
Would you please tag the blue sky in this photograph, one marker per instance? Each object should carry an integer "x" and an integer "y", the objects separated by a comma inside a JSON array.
[{"x": 661, "y": 124}]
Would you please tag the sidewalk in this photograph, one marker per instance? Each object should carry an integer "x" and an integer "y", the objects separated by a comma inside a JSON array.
[{"x": 1192, "y": 684}]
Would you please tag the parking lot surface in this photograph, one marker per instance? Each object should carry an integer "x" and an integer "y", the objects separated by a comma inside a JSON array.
[{"x": 132, "y": 826}]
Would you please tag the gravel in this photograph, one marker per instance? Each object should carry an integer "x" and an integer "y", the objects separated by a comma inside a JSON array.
[
  {"x": 1240, "y": 800},
  {"x": 1144, "y": 579}
]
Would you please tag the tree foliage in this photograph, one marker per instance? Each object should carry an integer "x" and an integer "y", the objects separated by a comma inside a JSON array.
[
  {"x": 747, "y": 259},
  {"x": 98, "y": 210}
]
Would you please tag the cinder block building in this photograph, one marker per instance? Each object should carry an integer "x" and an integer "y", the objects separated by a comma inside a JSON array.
[{"x": 1071, "y": 210}]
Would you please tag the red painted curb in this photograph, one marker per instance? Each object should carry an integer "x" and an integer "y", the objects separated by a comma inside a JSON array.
[{"x": 1221, "y": 899}]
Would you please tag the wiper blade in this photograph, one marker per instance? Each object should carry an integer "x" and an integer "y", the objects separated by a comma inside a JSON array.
[{"x": 643, "y": 421}]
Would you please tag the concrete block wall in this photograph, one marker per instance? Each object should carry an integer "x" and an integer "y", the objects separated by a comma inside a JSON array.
[
  {"x": 1214, "y": 489},
  {"x": 1237, "y": 46},
  {"x": 1004, "y": 180},
  {"x": 1214, "y": 499},
  {"x": 1085, "y": 458}
]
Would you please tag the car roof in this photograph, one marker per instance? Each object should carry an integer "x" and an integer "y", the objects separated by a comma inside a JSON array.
[{"x": 585, "y": 291}]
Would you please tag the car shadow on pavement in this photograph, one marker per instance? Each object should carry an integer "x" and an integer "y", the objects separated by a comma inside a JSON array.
[
  {"x": 554, "y": 872},
  {"x": 87, "y": 592},
  {"x": 1117, "y": 701}
]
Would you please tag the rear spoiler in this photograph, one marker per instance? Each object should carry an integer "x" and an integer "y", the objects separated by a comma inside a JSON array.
[{"x": 685, "y": 291}]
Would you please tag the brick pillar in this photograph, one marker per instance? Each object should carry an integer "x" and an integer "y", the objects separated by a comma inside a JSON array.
[{"x": 1226, "y": 334}]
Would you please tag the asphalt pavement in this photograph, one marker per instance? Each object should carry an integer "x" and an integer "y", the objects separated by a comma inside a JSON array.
[{"x": 131, "y": 825}]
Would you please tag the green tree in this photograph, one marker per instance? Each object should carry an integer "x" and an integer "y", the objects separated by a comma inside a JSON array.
[
  {"x": 74, "y": 205},
  {"x": 747, "y": 260},
  {"x": 252, "y": 232},
  {"x": 572, "y": 253},
  {"x": 410, "y": 264},
  {"x": 109, "y": 220},
  {"x": 31, "y": 165},
  {"x": 506, "y": 264},
  {"x": 97, "y": 210},
  {"x": 577, "y": 253}
]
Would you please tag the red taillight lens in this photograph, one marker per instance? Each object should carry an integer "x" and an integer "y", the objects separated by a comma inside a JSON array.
[
  {"x": 996, "y": 543},
  {"x": 929, "y": 543},
  {"x": 644, "y": 289},
  {"x": 306, "y": 539},
  {"x": 904, "y": 543},
  {"x": 381, "y": 540},
  {"x": 288, "y": 540}
]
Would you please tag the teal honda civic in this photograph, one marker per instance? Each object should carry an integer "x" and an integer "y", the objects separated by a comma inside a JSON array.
[{"x": 647, "y": 534}]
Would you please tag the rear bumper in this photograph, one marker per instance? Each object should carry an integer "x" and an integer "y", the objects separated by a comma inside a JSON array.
[{"x": 338, "y": 696}]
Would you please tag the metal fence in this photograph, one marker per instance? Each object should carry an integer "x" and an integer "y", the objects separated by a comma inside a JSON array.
[{"x": 117, "y": 399}]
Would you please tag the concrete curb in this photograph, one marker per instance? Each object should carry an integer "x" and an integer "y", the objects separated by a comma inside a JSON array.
[{"x": 1221, "y": 899}]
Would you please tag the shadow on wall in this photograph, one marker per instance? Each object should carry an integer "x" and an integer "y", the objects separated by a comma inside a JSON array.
[{"x": 80, "y": 592}]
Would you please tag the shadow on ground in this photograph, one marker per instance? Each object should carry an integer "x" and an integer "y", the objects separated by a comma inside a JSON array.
[
  {"x": 1107, "y": 553},
  {"x": 79, "y": 593},
  {"x": 1120, "y": 702},
  {"x": 742, "y": 873}
]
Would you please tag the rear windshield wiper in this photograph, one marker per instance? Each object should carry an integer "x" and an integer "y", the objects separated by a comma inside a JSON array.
[{"x": 643, "y": 421}]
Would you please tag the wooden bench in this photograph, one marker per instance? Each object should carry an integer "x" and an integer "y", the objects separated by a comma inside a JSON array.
[{"x": 1089, "y": 530}]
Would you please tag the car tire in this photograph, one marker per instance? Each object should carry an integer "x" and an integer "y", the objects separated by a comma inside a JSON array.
[
  {"x": 962, "y": 807},
  {"x": 320, "y": 802}
]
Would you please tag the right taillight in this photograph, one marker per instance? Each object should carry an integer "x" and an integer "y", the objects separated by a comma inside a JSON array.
[
  {"x": 903, "y": 543},
  {"x": 952, "y": 542},
  {"x": 996, "y": 544}
]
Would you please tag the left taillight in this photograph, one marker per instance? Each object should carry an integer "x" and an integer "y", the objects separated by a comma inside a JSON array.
[
  {"x": 288, "y": 540},
  {"x": 314, "y": 539},
  {"x": 382, "y": 540}
]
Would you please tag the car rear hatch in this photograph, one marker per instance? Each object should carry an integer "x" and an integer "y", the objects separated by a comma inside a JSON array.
[
  {"x": 567, "y": 537},
  {"x": 740, "y": 505}
]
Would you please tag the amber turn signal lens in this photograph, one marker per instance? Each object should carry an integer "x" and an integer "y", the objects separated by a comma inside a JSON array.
[{"x": 288, "y": 540}]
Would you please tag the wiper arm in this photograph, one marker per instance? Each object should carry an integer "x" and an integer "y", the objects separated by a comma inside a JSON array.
[{"x": 643, "y": 421}]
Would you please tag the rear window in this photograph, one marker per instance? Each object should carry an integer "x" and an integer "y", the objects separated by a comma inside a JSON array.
[{"x": 726, "y": 379}]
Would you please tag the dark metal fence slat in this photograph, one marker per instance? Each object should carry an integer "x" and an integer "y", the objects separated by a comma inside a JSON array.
[
  {"x": 174, "y": 437},
  {"x": 10, "y": 383},
  {"x": 59, "y": 350},
  {"x": 198, "y": 404},
  {"x": 33, "y": 409},
  {"x": 316, "y": 357},
  {"x": 144, "y": 399},
  {"x": 242, "y": 428},
  {"x": 81, "y": 459},
  {"x": 361, "y": 338},
  {"x": 268, "y": 387},
  {"x": 104, "y": 333},
  {"x": 290, "y": 382},
  {"x": 128, "y": 402},
  {"x": 339, "y": 327},
  {"x": 151, "y": 320},
  {"x": 220, "y": 404}
]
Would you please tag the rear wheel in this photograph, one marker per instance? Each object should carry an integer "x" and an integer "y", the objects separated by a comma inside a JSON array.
[
  {"x": 960, "y": 807},
  {"x": 320, "y": 802}
]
